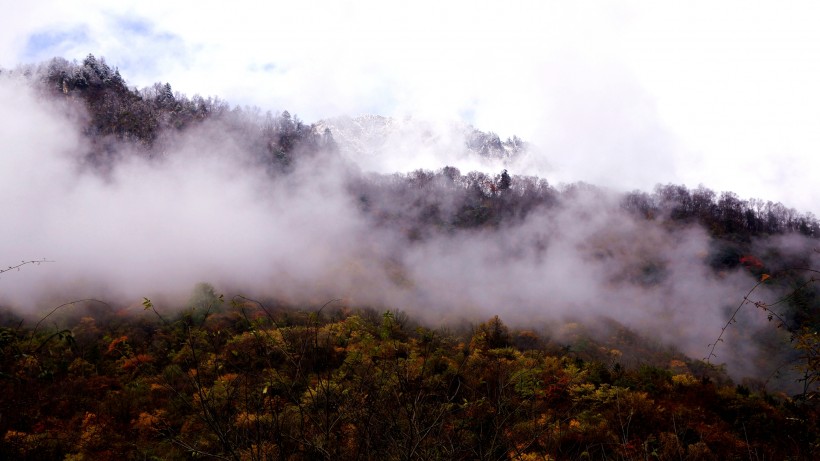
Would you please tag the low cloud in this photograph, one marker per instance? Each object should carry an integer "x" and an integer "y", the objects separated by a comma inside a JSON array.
[{"x": 202, "y": 213}]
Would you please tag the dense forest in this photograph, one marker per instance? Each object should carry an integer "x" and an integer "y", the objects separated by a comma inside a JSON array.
[
  {"x": 225, "y": 376},
  {"x": 237, "y": 379}
]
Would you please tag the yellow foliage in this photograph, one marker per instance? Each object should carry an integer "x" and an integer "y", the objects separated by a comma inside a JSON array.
[
  {"x": 92, "y": 435},
  {"x": 29, "y": 365},
  {"x": 580, "y": 390},
  {"x": 685, "y": 379},
  {"x": 18, "y": 437},
  {"x": 531, "y": 457}
]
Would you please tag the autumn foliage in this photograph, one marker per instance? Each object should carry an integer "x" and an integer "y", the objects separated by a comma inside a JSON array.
[
  {"x": 242, "y": 381},
  {"x": 246, "y": 380}
]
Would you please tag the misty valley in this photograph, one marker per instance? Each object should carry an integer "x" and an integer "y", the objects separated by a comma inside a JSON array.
[{"x": 190, "y": 279}]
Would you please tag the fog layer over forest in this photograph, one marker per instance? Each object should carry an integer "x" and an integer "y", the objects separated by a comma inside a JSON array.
[{"x": 125, "y": 215}]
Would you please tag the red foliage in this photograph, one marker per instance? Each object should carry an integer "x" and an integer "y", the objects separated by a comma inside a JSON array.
[{"x": 751, "y": 262}]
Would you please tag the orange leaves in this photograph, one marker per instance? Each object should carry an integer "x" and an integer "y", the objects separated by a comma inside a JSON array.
[
  {"x": 129, "y": 360},
  {"x": 115, "y": 344},
  {"x": 132, "y": 363},
  {"x": 149, "y": 423}
]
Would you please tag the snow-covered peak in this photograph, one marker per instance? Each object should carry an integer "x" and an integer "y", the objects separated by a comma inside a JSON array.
[{"x": 387, "y": 145}]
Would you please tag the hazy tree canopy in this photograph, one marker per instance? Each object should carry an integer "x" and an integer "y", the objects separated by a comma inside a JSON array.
[
  {"x": 119, "y": 113},
  {"x": 142, "y": 116},
  {"x": 725, "y": 215}
]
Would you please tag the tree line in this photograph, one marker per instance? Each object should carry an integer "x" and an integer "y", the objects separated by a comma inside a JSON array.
[{"x": 142, "y": 117}]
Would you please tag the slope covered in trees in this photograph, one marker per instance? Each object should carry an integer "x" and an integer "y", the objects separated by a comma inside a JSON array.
[
  {"x": 608, "y": 366},
  {"x": 242, "y": 380},
  {"x": 117, "y": 113}
]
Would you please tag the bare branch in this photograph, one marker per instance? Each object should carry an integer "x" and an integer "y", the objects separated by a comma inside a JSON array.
[{"x": 23, "y": 263}]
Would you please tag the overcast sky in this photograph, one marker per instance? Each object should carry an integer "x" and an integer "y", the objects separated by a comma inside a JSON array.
[{"x": 621, "y": 94}]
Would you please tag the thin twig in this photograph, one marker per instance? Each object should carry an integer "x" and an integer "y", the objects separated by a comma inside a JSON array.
[
  {"x": 23, "y": 263},
  {"x": 70, "y": 303},
  {"x": 760, "y": 305}
]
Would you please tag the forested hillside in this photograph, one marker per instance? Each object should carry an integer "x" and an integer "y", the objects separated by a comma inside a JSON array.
[
  {"x": 117, "y": 113},
  {"x": 237, "y": 379},
  {"x": 347, "y": 314}
]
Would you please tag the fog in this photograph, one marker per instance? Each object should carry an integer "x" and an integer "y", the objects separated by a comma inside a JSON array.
[{"x": 200, "y": 212}]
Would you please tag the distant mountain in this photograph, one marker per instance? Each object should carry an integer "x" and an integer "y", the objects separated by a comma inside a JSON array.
[{"x": 376, "y": 141}]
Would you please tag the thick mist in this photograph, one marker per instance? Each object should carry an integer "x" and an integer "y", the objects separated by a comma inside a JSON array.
[{"x": 201, "y": 212}]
